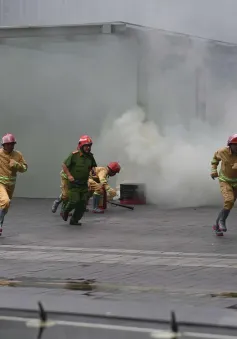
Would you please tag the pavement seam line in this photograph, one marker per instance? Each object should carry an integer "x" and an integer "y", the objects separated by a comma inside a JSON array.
[
  {"x": 107, "y": 287},
  {"x": 119, "y": 251}
]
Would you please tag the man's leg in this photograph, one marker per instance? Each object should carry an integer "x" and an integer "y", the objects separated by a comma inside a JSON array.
[
  {"x": 235, "y": 193},
  {"x": 56, "y": 203},
  {"x": 89, "y": 195},
  {"x": 96, "y": 194},
  {"x": 228, "y": 195},
  {"x": 10, "y": 192},
  {"x": 71, "y": 202},
  {"x": 63, "y": 196},
  {"x": 79, "y": 209},
  {"x": 4, "y": 202}
]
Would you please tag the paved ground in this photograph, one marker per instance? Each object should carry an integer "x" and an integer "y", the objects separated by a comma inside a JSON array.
[
  {"x": 26, "y": 325},
  {"x": 171, "y": 253}
]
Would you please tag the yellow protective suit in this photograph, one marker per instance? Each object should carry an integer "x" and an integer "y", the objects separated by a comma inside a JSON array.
[
  {"x": 99, "y": 179},
  {"x": 10, "y": 164},
  {"x": 64, "y": 186},
  {"x": 227, "y": 175}
]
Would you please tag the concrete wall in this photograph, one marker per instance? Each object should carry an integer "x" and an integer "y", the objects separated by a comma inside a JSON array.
[
  {"x": 57, "y": 12},
  {"x": 206, "y": 18},
  {"x": 52, "y": 91}
]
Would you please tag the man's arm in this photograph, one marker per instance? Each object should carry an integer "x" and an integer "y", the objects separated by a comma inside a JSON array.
[
  {"x": 103, "y": 177},
  {"x": 66, "y": 167},
  {"x": 94, "y": 164},
  {"x": 20, "y": 165},
  {"x": 214, "y": 164}
]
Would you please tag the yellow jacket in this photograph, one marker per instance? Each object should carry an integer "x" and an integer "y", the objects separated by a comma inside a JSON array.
[
  {"x": 228, "y": 170},
  {"x": 10, "y": 164},
  {"x": 101, "y": 175}
]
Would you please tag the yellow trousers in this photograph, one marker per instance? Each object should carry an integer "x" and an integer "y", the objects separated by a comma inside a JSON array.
[
  {"x": 6, "y": 193},
  {"x": 229, "y": 194},
  {"x": 64, "y": 188}
]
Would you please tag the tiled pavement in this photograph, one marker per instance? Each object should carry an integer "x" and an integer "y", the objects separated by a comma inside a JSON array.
[{"x": 173, "y": 250}]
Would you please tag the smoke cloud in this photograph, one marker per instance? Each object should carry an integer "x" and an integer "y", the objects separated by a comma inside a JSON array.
[
  {"x": 174, "y": 167},
  {"x": 54, "y": 91},
  {"x": 188, "y": 113}
]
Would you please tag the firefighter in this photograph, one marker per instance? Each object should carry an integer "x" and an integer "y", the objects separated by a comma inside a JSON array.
[
  {"x": 11, "y": 162},
  {"x": 99, "y": 180},
  {"x": 227, "y": 179},
  {"x": 77, "y": 167},
  {"x": 64, "y": 180}
]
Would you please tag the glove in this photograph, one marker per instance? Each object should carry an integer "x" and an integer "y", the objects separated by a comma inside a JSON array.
[
  {"x": 111, "y": 193},
  {"x": 13, "y": 163},
  {"x": 214, "y": 175}
]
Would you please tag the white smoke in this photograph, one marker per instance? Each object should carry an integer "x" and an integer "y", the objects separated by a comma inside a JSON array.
[
  {"x": 55, "y": 91},
  {"x": 175, "y": 166},
  {"x": 170, "y": 143}
]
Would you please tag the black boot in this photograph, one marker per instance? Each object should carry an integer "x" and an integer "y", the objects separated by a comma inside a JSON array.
[
  {"x": 56, "y": 203},
  {"x": 78, "y": 213},
  {"x": 2, "y": 215},
  {"x": 74, "y": 222},
  {"x": 222, "y": 220}
]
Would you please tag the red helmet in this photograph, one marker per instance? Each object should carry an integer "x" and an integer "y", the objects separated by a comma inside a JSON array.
[
  {"x": 114, "y": 167},
  {"x": 8, "y": 139},
  {"x": 85, "y": 140},
  {"x": 232, "y": 139}
]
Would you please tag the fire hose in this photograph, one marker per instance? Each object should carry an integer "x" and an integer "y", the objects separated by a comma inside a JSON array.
[
  {"x": 120, "y": 205},
  {"x": 113, "y": 203}
]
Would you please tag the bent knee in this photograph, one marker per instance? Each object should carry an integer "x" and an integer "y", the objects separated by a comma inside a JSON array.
[
  {"x": 229, "y": 203},
  {"x": 64, "y": 197},
  {"x": 5, "y": 203}
]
